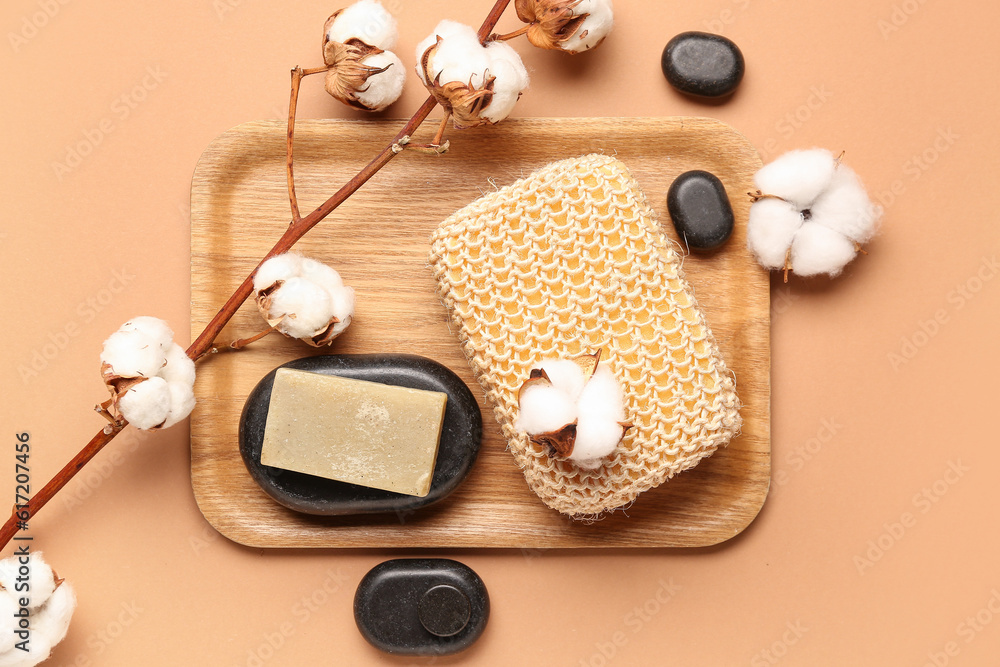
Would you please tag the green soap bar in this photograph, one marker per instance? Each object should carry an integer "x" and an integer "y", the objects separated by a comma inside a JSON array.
[{"x": 376, "y": 435}]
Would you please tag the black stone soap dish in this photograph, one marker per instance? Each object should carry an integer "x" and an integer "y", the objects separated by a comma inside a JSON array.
[
  {"x": 461, "y": 435},
  {"x": 421, "y": 606}
]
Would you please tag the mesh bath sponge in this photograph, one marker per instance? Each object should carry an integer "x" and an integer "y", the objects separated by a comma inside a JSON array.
[{"x": 560, "y": 264}]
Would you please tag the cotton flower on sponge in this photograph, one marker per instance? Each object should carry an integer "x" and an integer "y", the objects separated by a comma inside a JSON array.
[
  {"x": 150, "y": 377},
  {"x": 477, "y": 84},
  {"x": 364, "y": 73},
  {"x": 574, "y": 408},
  {"x": 811, "y": 214},
  {"x": 303, "y": 298},
  {"x": 573, "y": 26},
  {"x": 50, "y": 607}
]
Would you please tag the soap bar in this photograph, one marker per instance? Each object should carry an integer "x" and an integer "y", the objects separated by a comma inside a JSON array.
[{"x": 366, "y": 433}]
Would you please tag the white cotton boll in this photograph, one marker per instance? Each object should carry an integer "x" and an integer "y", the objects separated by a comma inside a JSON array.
[
  {"x": 8, "y": 622},
  {"x": 182, "y": 402},
  {"x": 846, "y": 208},
  {"x": 459, "y": 57},
  {"x": 153, "y": 327},
  {"x": 511, "y": 80},
  {"x": 38, "y": 652},
  {"x": 304, "y": 306},
  {"x": 798, "y": 176},
  {"x": 565, "y": 375},
  {"x": 596, "y": 437},
  {"x": 146, "y": 404},
  {"x": 368, "y": 21},
  {"x": 543, "y": 408},
  {"x": 132, "y": 354},
  {"x": 770, "y": 229},
  {"x": 52, "y": 620},
  {"x": 818, "y": 249},
  {"x": 593, "y": 29},
  {"x": 279, "y": 267},
  {"x": 384, "y": 88},
  {"x": 343, "y": 308},
  {"x": 602, "y": 397},
  {"x": 41, "y": 580},
  {"x": 179, "y": 367},
  {"x": 321, "y": 274}
]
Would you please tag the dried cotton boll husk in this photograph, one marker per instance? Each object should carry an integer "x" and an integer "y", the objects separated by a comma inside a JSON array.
[
  {"x": 466, "y": 78},
  {"x": 573, "y": 26},
  {"x": 366, "y": 20},
  {"x": 818, "y": 249},
  {"x": 42, "y": 579},
  {"x": 798, "y": 176},
  {"x": 131, "y": 354},
  {"x": 355, "y": 68},
  {"x": 771, "y": 228},
  {"x": 146, "y": 404},
  {"x": 363, "y": 72}
]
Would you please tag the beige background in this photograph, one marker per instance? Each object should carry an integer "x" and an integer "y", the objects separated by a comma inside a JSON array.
[{"x": 847, "y": 563}]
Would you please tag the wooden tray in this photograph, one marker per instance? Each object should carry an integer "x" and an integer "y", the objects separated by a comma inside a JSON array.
[{"x": 379, "y": 241}]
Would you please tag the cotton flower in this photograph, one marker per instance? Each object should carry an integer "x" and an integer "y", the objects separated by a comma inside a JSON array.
[
  {"x": 574, "y": 408},
  {"x": 477, "y": 84},
  {"x": 364, "y": 73},
  {"x": 150, "y": 377},
  {"x": 573, "y": 26},
  {"x": 811, "y": 214},
  {"x": 303, "y": 298},
  {"x": 40, "y": 625}
]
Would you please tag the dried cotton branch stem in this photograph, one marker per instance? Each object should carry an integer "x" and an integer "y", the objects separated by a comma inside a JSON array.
[{"x": 295, "y": 231}]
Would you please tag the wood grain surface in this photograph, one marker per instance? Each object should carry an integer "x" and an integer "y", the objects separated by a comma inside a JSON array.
[{"x": 379, "y": 241}]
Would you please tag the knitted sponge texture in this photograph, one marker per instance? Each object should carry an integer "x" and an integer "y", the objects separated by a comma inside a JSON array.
[{"x": 565, "y": 262}]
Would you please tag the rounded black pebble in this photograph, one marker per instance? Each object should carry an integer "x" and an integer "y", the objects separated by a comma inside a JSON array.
[
  {"x": 421, "y": 606},
  {"x": 700, "y": 209},
  {"x": 461, "y": 435},
  {"x": 703, "y": 64}
]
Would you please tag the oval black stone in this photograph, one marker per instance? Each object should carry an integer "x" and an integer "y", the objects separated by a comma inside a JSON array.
[
  {"x": 460, "y": 436},
  {"x": 703, "y": 64},
  {"x": 700, "y": 209},
  {"x": 421, "y": 606}
]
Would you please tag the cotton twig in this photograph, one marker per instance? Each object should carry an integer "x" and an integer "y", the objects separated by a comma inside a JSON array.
[{"x": 203, "y": 343}]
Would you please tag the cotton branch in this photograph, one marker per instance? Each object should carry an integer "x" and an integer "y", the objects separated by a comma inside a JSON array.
[{"x": 203, "y": 343}]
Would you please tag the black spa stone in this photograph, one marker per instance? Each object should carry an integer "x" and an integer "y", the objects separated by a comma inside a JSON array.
[
  {"x": 421, "y": 606},
  {"x": 703, "y": 64},
  {"x": 700, "y": 209},
  {"x": 460, "y": 436}
]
